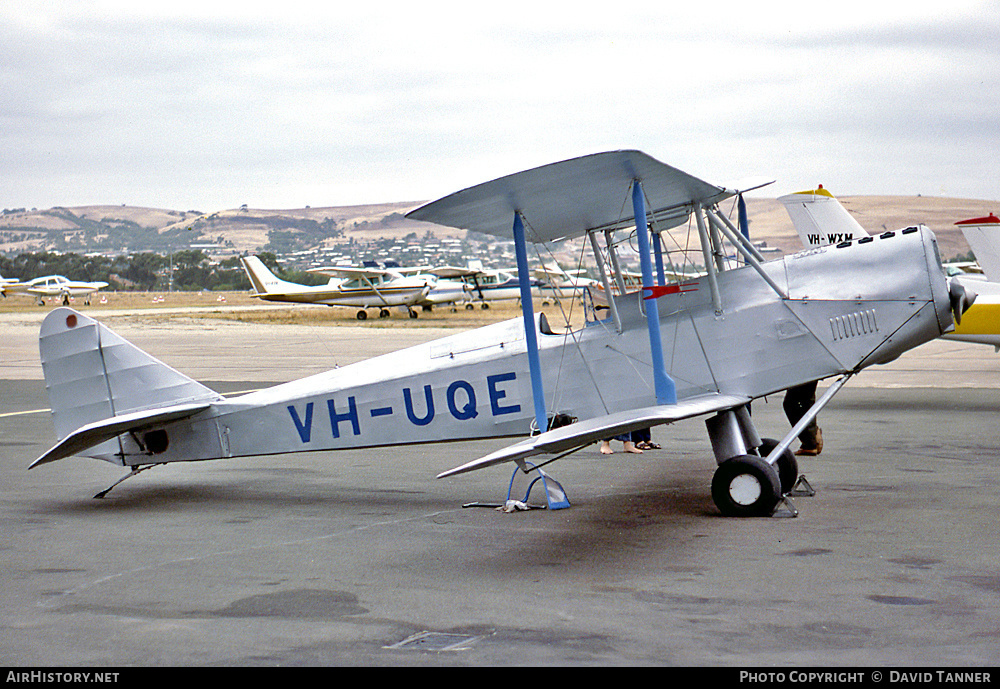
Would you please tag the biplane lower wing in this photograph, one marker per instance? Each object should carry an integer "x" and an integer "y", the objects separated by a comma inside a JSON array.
[{"x": 585, "y": 432}]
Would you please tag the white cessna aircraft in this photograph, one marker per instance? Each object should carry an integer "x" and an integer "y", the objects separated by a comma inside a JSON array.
[
  {"x": 661, "y": 356},
  {"x": 442, "y": 292},
  {"x": 364, "y": 287},
  {"x": 558, "y": 283},
  {"x": 51, "y": 286},
  {"x": 486, "y": 284},
  {"x": 820, "y": 220}
]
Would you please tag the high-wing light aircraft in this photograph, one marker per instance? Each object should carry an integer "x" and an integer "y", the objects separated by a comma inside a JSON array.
[
  {"x": 558, "y": 283},
  {"x": 364, "y": 287},
  {"x": 442, "y": 292},
  {"x": 661, "y": 356},
  {"x": 820, "y": 220},
  {"x": 52, "y": 286},
  {"x": 486, "y": 284}
]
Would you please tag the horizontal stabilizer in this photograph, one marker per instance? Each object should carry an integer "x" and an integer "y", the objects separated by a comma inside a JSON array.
[
  {"x": 591, "y": 430},
  {"x": 100, "y": 431}
]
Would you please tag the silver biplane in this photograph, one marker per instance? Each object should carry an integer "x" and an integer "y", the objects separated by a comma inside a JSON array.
[{"x": 661, "y": 355}]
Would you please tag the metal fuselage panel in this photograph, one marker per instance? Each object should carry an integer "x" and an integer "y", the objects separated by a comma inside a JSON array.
[{"x": 844, "y": 310}]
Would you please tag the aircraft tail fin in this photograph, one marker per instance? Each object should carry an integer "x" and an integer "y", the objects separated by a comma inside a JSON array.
[
  {"x": 263, "y": 280},
  {"x": 983, "y": 236},
  {"x": 92, "y": 374},
  {"x": 820, "y": 219}
]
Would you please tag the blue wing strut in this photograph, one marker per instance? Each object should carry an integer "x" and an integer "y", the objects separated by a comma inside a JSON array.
[
  {"x": 666, "y": 391},
  {"x": 528, "y": 312}
]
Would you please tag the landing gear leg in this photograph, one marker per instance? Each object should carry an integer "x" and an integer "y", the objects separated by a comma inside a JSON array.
[
  {"x": 745, "y": 484},
  {"x": 786, "y": 464}
]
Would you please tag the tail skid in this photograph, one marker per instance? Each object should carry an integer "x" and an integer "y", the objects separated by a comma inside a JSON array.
[{"x": 101, "y": 386}]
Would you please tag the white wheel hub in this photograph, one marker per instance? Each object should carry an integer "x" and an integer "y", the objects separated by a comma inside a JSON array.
[{"x": 745, "y": 489}]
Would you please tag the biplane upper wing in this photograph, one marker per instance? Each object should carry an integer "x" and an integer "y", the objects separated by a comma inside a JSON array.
[
  {"x": 570, "y": 198},
  {"x": 585, "y": 432}
]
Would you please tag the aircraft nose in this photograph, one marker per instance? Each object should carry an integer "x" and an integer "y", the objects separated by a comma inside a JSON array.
[{"x": 961, "y": 299}]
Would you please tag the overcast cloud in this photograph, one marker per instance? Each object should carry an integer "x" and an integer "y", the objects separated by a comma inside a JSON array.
[{"x": 209, "y": 105}]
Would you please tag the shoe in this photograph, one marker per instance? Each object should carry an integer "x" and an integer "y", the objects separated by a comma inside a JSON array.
[{"x": 813, "y": 450}]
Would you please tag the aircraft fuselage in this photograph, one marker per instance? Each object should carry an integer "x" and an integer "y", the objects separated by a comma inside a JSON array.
[{"x": 842, "y": 311}]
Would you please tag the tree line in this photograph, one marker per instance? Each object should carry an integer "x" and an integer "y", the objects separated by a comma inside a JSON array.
[{"x": 186, "y": 270}]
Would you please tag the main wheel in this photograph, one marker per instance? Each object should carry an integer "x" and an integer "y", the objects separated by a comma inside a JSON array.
[
  {"x": 362, "y": 315},
  {"x": 746, "y": 486},
  {"x": 787, "y": 465},
  {"x": 383, "y": 313}
]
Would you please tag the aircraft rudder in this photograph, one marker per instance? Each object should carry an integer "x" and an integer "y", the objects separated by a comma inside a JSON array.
[
  {"x": 820, "y": 219},
  {"x": 260, "y": 276},
  {"x": 92, "y": 374}
]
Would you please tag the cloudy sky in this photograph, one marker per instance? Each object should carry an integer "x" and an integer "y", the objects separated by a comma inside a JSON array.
[{"x": 209, "y": 105}]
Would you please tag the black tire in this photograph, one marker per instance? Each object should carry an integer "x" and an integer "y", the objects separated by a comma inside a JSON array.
[
  {"x": 362, "y": 315},
  {"x": 787, "y": 465},
  {"x": 746, "y": 486},
  {"x": 383, "y": 313}
]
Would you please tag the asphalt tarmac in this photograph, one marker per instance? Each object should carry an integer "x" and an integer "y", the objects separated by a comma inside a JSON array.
[{"x": 364, "y": 558}]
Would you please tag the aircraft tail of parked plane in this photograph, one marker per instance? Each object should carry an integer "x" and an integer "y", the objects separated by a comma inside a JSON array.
[
  {"x": 101, "y": 386},
  {"x": 820, "y": 219},
  {"x": 983, "y": 236},
  {"x": 265, "y": 282}
]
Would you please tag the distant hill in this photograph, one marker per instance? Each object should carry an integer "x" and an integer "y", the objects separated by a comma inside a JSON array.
[
  {"x": 127, "y": 229},
  {"x": 130, "y": 229}
]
